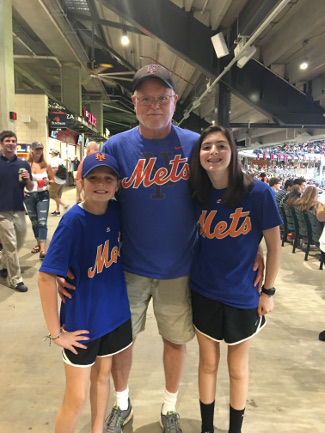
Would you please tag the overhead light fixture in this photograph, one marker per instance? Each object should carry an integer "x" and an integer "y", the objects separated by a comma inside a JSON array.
[
  {"x": 125, "y": 39},
  {"x": 304, "y": 64}
]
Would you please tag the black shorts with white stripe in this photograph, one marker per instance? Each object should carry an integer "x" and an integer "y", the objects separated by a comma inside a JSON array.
[{"x": 221, "y": 322}]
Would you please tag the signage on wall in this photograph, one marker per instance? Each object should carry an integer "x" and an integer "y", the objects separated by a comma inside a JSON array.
[
  {"x": 67, "y": 136},
  {"x": 23, "y": 150},
  {"x": 58, "y": 119},
  {"x": 89, "y": 117}
]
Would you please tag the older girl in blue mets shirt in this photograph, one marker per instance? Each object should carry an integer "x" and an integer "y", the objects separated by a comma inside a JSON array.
[{"x": 234, "y": 213}]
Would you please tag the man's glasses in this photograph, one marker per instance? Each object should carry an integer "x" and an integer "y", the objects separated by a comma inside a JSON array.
[{"x": 149, "y": 100}]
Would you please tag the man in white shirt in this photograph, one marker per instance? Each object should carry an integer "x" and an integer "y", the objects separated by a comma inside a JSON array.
[{"x": 56, "y": 187}]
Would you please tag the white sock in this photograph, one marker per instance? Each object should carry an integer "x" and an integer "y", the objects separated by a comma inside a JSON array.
[
  {"x": 122, "y": 399},
  {"x": 169, "y": 404}
]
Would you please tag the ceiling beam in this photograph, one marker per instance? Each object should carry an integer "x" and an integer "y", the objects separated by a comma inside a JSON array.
[
  {"x": 190, "y": 39},
  {"x": 103, "y": 22},
  {"x": 174, "y": 27}
]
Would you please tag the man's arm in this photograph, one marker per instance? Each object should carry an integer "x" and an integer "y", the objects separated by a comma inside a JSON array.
[
  {"x": 259, "y": 267},
  {"x": 29, "y": 183},
  {"x": 63, "y": 285},
  {"x": 78, "y": 190},
  {"x": 50, "y": 173},
  {"x": 78, "y": 184}
]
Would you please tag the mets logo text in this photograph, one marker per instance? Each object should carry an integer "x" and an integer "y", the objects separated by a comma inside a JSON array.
[
  {"x": 221, "y": 229},
  {"x": 103, "y": 258},
  {"x": 148, "y": 175}
]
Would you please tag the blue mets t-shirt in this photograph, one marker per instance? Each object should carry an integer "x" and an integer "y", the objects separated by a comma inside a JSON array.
[
  {"x": 90, "y": 245},
  {"x": 228, "y": 243},
  {"x": 158, "y": 219}
]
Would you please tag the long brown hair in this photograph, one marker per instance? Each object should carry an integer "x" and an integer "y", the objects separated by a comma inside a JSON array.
[
  {"x": 41, "y": 162},
  {"x": 239, "y": 183},
  {"x": 308, "y": 200}
]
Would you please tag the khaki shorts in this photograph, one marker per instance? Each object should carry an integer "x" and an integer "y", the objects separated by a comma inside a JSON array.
[
  {"x": 171, "y": 304},
  {"x": 55, "y": 190}
]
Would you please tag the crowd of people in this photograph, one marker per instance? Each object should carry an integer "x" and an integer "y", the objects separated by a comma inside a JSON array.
[
  {"x": 313, "y": 147},
  {"x": 285, "y": 172},
  {"x": 306, "y": 197},
  {"x": 189, "y": 255}
]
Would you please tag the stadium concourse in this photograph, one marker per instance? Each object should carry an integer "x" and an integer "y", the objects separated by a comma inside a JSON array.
[{"x": 287, "y": 374}]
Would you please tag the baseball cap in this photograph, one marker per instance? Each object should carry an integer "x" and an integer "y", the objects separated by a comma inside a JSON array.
[
  {"x": 55, "y": 150},
  {"x": 150, "y": 71},
  {"x": 37, "y": 145},
  {"x": 99, "y": 159}
]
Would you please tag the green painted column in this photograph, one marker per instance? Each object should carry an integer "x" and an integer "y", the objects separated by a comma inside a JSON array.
[
  {"x": 7, "y": 82},
  {"x": 71, "y": 88}
]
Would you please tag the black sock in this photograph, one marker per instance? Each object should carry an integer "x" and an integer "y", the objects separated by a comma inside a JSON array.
[
  {"x": 235, "y": 420},
  {"x": 207, "y": 412}
]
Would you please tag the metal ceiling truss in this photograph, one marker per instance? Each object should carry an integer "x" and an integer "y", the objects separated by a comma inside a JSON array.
[
  {"x": 83, "y": 33},
  {"x": 189, "y": 39},
  {"x": 103, "y": 22}
]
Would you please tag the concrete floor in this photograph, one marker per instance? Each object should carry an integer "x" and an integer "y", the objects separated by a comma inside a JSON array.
[{"x": 287, "y": 379}]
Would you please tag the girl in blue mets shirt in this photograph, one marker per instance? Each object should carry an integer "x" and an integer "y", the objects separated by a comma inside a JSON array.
[
  {"x": 234, "y": 213},
  {"x": 95, "y": 323}
]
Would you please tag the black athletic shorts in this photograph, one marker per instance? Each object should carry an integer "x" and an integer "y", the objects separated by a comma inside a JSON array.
[
  {"x": 107, "y": 345},
  {"x": 219, "y": 321}
]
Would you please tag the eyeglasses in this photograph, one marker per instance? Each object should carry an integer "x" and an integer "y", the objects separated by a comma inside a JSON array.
[{"x": 149, "y": 100}]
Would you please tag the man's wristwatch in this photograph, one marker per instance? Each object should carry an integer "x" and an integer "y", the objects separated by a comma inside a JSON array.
[{"x": 269, "y": 292}]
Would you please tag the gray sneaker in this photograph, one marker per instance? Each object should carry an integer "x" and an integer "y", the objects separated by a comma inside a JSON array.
[
  {"x": 20, "y": 287},
  {"x": 170, "y": 423},
  {"x": 118, "y": 418}
]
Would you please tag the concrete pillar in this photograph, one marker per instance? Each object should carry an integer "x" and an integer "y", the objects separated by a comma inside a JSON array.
[
  {"x": 96, "y": 109},
  {"x": 322, "y": 170},
  {"x": 71, "y": 88},
  {"x": 7, "y": 82}
]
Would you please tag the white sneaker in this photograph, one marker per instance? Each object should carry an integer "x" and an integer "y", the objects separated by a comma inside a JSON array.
[{"x": 66, "y": 208}]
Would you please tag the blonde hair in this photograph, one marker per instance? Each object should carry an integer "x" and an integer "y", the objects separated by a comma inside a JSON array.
[
  {"x": 41, "y": 162},
  {"x": 309, "y": 199}
]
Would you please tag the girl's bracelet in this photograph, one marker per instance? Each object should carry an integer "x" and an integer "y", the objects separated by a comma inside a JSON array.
[{"x": 55, "y": 337}]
